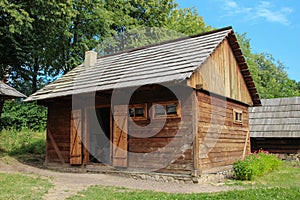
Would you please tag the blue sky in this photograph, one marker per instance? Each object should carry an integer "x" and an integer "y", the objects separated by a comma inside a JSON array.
[{"x": 272, "y": 26}]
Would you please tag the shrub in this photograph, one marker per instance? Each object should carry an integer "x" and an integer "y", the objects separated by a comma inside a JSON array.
[
  {"x": 18, "y": 115},
  {"x": 255, "y": 165}
]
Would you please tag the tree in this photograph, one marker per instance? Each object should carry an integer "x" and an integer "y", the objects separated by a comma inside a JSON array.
[
  {"x": 187, "y": 21},
  {"x": 27, "y": 44},
  {"x": 269, "y": 75},
  {"x": 13, "y": 21},
  {"x": 48, "y": 38}
]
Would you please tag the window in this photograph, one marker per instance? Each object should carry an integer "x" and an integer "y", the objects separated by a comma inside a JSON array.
[
  {"x": 166, "y": 109},
  {"x": 238, "y": 116},
  {"x": 138, "y": 111}
]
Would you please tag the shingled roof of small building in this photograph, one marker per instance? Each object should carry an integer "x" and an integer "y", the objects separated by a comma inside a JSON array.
[
  {"x": 171, "y": 61},
  {"x": 7, "y": 92},
  {"x": 278, "y": 118}
]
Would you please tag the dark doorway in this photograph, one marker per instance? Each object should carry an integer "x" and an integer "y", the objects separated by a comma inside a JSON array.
[{"x": 99, "y": 136}]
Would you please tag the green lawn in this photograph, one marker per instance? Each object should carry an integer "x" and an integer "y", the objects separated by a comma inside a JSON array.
[
  {"x": 17, "y": 186},
  {"x": 281, "y": 184},
  {"x": 98, "y": 192}
]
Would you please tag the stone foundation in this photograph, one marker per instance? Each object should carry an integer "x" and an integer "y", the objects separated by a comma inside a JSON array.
[
  {"x": 150, "y": 176},
  {"x": 288, "y": 157}
]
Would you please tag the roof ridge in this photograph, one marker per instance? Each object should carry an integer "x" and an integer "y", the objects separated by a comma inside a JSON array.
[{"x": 167, "y": 42}]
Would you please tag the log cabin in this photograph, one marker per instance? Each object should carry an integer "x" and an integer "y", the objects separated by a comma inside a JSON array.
[
  {"x": 275, "y": 126},
  {"x": 178, "y": 107}
]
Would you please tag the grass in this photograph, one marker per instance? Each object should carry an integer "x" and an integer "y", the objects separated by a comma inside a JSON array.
[
  {"x": 14, "y": 142},
  {"x": 25, "y": 145},
  {"x": 99, "y": 192},
  {"x": 287, "y": 176},
  {"x": 29, "y": 147},
  {"x": 17, "y": 186},
  {"x": 281, "y": 184}
]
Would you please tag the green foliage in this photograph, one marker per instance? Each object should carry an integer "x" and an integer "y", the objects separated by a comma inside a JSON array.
[
  {"x": 50, "y": 37},
  {"x": 187, "y": 21},
  {"x": 13, "y": 142},
  {"x": 19, "y": 115},
  {"x": 255, "y": 165},
  {"x": 16, "y": 186},
  {"x": 269, "y": 75}
]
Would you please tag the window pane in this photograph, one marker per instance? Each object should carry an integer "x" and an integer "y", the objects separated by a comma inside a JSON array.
[
  {"x": 240, "y": 116},
  {"x": 139, "y": 112},
  {"x": 236, "y": 116},
  {"x": 171, "y": 109},
  {"x": 159, "y": 110},
  {"x": 131, "y": 112}
]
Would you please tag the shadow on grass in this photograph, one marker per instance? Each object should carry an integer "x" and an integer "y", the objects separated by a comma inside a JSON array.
[
  {"x": 25, "y": 145},
  {"x": 32, "y": 154}
]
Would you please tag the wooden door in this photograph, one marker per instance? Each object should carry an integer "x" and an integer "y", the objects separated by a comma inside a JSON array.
[
  {"x": 75, "y": 138},
  {"x": 120, "y": 129}
]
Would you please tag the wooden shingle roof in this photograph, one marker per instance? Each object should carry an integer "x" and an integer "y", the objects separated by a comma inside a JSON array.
[
  {"x": 7, "y": 92},
  {"x": 278, "y": 117},
  {"x": 172, "y": 61}
]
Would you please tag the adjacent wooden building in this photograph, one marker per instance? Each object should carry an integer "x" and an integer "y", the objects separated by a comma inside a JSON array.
[
  {"x": 275, "y": 126},
  {"x": 176, "y": 107},
  {"x": 7, "y": 92}
]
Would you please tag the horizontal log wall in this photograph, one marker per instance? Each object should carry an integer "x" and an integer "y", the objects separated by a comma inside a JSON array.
[
  {"x": 221, "y": 141},
  {"x": 276, "y": 145},
  {"x": 58, "y": 125},
  {"x": 170, "y": 147}
]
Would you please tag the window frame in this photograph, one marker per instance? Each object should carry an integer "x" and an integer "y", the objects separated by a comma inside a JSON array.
[
  {"x": 165, "y": 104},
  {"x": 135, "y": 106},
  {"x": 237, "y": 112}
]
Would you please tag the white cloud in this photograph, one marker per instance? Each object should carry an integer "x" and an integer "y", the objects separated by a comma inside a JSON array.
[
  {"x": 264, "y": 10},
  {"x": 231, "y": 4}
]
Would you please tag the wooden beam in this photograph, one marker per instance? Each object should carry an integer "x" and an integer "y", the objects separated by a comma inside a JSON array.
[
  {"x": 53, "y": 143},
  {"x": 86, "y": 141},
  {"x": 196, "y": 146},
  {"x": 245, "y": 145}
]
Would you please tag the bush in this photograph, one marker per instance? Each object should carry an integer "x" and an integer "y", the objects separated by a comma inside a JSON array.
[
  {"x": 18, "y": 115},
  {"x": 255, "y": 165}
]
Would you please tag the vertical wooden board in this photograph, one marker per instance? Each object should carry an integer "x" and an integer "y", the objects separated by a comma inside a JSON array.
[
  {"x": 86, "y": 139},
  {"x": 75, "y": 138},
  {"x": 196, "y": 148},
  {"x": 120, "y": 137}
]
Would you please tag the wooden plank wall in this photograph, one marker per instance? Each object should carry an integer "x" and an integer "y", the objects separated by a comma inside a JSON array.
[
  {"x": 221, "y": 74},
  {"x": 221, "y": 140},
  {"x": 58, "y": 123},
  {"x": 150, "y": 153},
  {"x": 276, "y": 145}
]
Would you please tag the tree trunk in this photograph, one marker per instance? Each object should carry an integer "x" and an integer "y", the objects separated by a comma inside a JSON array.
[
  {"x": 6, "y": 75},
  {"x": 35, "y": 75},
  {"x": 1, "y": 106}
]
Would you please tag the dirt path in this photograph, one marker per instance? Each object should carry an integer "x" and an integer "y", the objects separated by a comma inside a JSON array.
[{"x": 68, "y": 184}]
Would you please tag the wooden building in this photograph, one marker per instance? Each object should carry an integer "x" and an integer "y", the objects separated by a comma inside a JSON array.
[
  {"x": 7, "y": 92},
  {"x": 187, "y": 111},
  {"x": 275, "y": 127}
]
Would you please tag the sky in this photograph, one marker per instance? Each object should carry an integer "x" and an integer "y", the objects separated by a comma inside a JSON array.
[{"x": 272, "y": 26}]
